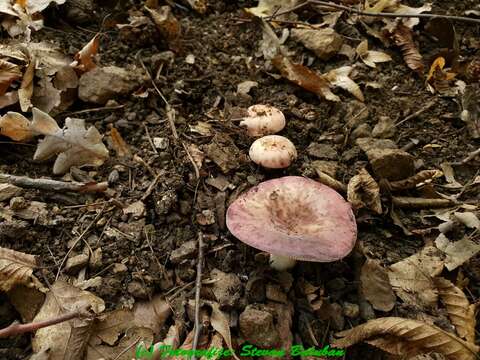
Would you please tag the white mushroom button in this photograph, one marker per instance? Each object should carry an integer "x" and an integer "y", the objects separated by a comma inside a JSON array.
[
  {"x": 273, "y": 152},
  {"x": 263, "y": 120}
]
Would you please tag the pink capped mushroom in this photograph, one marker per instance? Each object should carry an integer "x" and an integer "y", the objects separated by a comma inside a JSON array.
[
  {"x": 294, "y": 218},
  {"x": 263, "y": 120}
]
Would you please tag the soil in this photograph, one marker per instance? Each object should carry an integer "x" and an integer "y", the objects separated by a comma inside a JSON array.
[{"x": 224, "y": 44}]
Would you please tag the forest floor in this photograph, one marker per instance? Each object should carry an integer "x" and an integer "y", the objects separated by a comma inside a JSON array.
[{"x": 178, "y": 158}]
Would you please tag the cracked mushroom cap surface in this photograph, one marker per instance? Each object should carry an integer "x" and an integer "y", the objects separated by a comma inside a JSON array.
[{"x": 295, "y": 217}]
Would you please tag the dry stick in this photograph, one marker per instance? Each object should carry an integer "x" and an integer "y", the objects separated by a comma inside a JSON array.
[
  {"x": 417, "y": 113},
  {"x": 104, "y": 108},
  {"x": 195, "y": 167},
  {"x": 17, "y": 329},
  {"x": 169, "y": 110},
  {"x": 470, "y": 156},
  {"x": 381, "y": 14},
  {"x": 52, "y": 185},
  {"x": 198, "y": 286},
  {"x": 78, "y": 240}
]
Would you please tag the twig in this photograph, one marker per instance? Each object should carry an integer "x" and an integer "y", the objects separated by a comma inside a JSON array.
[
  {"x": 104, "y": 108},
  {"x": 381, "y": 14},
  {"x": 17, "y": 329},
  {"x": 150, "y": 139},
  {"x": 52, "y": 185},
  {"x": 470, "y": 157},
  {"x": 152, "y": 185},
  {"x": 78, "y": 240},
  {"x": 195, "y": 167},
  {"x": 168, "y": 109},
  {"x": 198, "y": 286},
  {"x": 417, "y": 113}
]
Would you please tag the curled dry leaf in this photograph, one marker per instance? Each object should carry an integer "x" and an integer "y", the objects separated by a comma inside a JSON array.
[
  {"x": 376, "y": 287},
  {"x": 166, "y": 23},
  {"x": 199, "y": 6},
  {"x": 404, "y": 39},
  {"x": 408, "y": 338},
  {"x": 412, "y": 181},
  {"x": 411, "y": 278},
  {"x": 364, "y": 192},
  {"x": 459, "y": 309},
  {"x": 15, "y": 126},
  {"x": 197, "y": 155},
  {"x": 67, "y": 340},
  {"x": 267, "y": 8},
  {"x": 74, "y": 145},
  {"x": 457, "y": 252},
  {"x": 16, "y": 268},
  {"x": 371, "y": 57},
  {"x": 118, "y": 144},
  {"x": 340, "y": 78},
  {"x": 83, "y": 60},
  {"x": 315, "y": 83},
  {"x": 304, "y": 77},
  {"x": 9, "y": 72},
  {"x": 26, "y": 87}
]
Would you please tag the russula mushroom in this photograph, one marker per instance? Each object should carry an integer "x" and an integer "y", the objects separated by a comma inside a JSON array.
[
  {"x": 273, "y": 152},
  {"x": 263, "y": 120},
  {"x": 294, "y": 218}
]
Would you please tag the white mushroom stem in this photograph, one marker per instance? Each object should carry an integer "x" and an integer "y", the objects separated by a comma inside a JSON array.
[{"x": 281, "y": 263}]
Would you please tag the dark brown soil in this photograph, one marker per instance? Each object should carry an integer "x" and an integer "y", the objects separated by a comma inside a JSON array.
[{"x": 225, "y": 50}]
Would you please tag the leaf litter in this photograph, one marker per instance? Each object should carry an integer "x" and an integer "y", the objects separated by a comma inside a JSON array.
[{"x": 313, "y": 49}]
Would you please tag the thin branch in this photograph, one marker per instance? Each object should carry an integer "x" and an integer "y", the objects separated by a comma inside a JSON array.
[
  {"x": 381, "y": 14},
  {"x": 198, "y": 287},
  {"x": 417, "y": 113},
  {"x": 17, "y": 329},
  {"x": 52, "y": 185},
  {"x": 470, "y": 157}
]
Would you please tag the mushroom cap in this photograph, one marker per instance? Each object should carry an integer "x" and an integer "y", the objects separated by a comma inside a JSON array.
[
  {"x": 295, "y": 217},
  {"x": 263, "y": 120},
  {"x": 273, "y": 152}
]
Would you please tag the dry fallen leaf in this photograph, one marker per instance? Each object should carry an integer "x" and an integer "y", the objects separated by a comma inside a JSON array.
[
  {"x": 26, "y": 87},
  {"x": 376, "y": 287},
  {"x": 406, "y": 337},
  {"x": 404, "y": 39},
  {"x": 304, "y": 77},
  {"x": 197, "y": 155},
  {"x": 199, "y": 6},
  {"x": 371, "y": 57},
  {"x": 84, "y": 59},
  {"x": 269, "y": 7},
  {"x": 457, "y": 252},
  {"x": 220, "y": 324},
  {"x": 118, "y": 144},
  {"x": 16, "y": 268},
  {"x": 9, "y": 72},
  {"x": 459, "y": 309},
  {"x": 411, "y": 278},
  {"x": 364, "y": 192},
  {"x": 74, "y": 145},
  {"x": 340, "y": 78},
  {"x": 167, "y": 24},
  {"x": 67, "y": 340},
  {"x": 15, "y": 126}
]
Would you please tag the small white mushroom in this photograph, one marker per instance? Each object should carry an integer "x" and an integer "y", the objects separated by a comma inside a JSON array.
[
  {"x": 273, "y": 152},
  {"x": 263, "y": 120},
  {"x": 281, "y": 263}
]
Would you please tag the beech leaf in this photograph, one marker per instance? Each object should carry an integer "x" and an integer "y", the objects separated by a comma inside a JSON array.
[
  {"x": 74, "y": 145},
  {"x": 16, "y": 268},
  {"x": 371, "y": 57},
  {"x": 411, "y": 278},
  {"x": 15, "y": 126},
  {"x": 83, "y": 60},
  {"x": 376, "y": 287},
  {"x": 408, "y": 338},
  {"x": 459, "y": 309},
  {"x": 66, "y": 340},
  {"x": 404, "y": 40}
]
